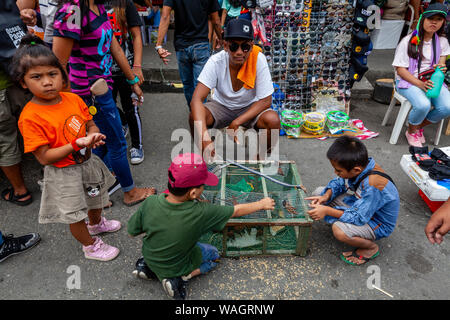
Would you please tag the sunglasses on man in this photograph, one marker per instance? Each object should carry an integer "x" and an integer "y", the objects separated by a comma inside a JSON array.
[{"x": 245, "y": 46}]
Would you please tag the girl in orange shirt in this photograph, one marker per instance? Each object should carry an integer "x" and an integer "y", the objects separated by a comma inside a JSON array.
[{"x": 58, "y": 129}]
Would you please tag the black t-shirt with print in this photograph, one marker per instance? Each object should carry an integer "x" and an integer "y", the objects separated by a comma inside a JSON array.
[
  {"x": 133, "y": 20},
  {"x": 191, "y": 20}
]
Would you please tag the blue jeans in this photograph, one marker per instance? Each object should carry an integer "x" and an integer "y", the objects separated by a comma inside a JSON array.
[
  {"x": 114, "y": 151},
  {"x": 156, "y": 15},
  {"x": 190, "y": 63},
  {"x": 421, "y": 105},
  {"x": 209, "y": 255},
  {"x": 1, "y": 238}
]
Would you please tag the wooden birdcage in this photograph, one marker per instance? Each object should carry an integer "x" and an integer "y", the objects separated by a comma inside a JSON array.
[{"x": 284, "y": 230}]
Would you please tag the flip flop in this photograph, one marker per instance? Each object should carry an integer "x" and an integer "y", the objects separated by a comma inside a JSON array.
[
  {"x": 138, "y": 201},
  {"x": 354, "y": 254},
  {"x": 16, "y": 199}
]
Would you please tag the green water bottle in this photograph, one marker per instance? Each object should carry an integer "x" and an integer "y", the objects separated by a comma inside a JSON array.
[{"x": 438, "y": 79}]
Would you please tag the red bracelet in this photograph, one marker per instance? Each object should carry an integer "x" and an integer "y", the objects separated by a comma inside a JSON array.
[{"x": 75, "y": 146}]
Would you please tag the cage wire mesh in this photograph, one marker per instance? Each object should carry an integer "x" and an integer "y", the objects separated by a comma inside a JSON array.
[{"x": 237, "y": 186}]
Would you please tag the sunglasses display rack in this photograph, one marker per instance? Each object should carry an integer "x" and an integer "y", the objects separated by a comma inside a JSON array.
[{"x": 308, "y": 51}]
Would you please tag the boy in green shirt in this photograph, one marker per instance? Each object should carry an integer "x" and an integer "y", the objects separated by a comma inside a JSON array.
[{"x": 174, "y": 222}]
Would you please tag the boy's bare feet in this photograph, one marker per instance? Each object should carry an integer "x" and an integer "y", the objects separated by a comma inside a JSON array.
[
  {"x": 360, "y": 256},
  {"x": 137, "y": 195}
]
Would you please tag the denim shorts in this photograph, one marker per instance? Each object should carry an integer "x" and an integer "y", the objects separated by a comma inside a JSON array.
[{"x": 209, "y": 255}]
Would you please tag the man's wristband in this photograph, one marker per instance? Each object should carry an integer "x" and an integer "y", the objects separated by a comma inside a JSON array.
[
  {"x": 134, "y": 81},
  {"x": 157, "y": 48},
  {"x": 75, "y": 146}
]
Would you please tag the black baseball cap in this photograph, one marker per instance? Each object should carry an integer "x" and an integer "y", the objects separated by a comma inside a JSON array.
[
  {"x": 239, "y": 29},
  {"x": 434, "y": 9}
]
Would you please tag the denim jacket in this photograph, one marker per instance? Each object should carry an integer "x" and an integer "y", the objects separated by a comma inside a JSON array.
[{"x": 376, "y": 202}]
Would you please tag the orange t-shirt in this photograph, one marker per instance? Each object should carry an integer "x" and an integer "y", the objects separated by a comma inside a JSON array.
[{"x": 55, "y": 125}]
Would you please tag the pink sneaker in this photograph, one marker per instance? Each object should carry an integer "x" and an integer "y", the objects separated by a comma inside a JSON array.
[
  {"x": 104, "y": 226},
  {"x": 413, "y": 139},
  {"x": 421, "y": 136},
  {"x": 100, "y": 251}
]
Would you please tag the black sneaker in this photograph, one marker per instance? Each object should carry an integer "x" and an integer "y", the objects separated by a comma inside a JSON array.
[
  {"x": 143, "y": 271},
  {"x": 116, "y": 186},
  {"x": 12, "y": 246},
  {"x": 175, "y": 288}
]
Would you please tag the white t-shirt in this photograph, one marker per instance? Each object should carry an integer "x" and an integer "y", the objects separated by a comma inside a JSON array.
[
  {"x": 401, "y": 58},
  {"x": 216, "y": 75}
]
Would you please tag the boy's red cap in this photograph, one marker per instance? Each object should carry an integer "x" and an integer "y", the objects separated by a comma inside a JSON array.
[{"x": 190, "y": 170}]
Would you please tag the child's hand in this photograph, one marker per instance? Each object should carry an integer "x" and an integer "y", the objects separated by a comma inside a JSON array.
[
  {"x": 138, "y": 91},
  {"x": 317, "y": 199},
  {"x": 267, "y": 203},
  {"x": 92, "y": 140},
  {"x": 427, "y": 85},
  {"x": 318, "y": 212},
  {"x": 443, "y": 67}
]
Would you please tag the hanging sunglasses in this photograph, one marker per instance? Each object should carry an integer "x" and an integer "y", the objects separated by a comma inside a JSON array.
[{"x": 245, "y": 47}]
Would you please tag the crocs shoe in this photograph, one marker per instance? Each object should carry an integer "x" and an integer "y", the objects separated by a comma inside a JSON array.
[
  {"x": 413, "y": 139},
  {"x": 100, "y": 251},
  {"x": 104, "y": 226},
  {"x": 421, "y": 136}
]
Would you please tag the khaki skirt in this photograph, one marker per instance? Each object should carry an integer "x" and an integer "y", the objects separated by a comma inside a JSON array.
[{"x": 68, "y": 193}]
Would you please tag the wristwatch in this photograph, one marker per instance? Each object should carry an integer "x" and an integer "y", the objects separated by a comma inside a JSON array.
[{"x": 157, "y": 48}]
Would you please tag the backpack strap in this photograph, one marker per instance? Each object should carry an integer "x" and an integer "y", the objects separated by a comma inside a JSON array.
[{"x": 371, "y": 172}]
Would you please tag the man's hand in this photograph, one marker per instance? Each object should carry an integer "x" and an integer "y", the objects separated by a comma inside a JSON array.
[
  {"x": 92, "y": 140},
  {"x": 234, "y": 128},
  {"x": 267, "y": 203},
  {"x": 163, "y": 54},
  {"x": 438, "y": 226},
  {"x": 208, "y": 151},
  {"x": 318, "y": 212},
  {"x": 28, "y": 17},
  {"x": 318, "y": 199}
]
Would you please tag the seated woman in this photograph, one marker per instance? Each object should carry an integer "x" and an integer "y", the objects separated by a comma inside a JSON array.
[{"x": 242, "y": 93}]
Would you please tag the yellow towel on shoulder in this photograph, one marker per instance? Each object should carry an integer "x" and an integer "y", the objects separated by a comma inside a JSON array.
[{"x": 247, "y": 73}]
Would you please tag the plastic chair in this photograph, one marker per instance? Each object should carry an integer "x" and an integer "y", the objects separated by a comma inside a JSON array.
[
  {"x": 411, "y": 20},
  {"x": 401, "y": 118}
]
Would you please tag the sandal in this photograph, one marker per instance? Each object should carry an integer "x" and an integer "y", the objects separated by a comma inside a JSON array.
[
  {"x": 16, "y": 198},
  {"x": 140, "y": 200},
  {"x": 354, "y": 254}
]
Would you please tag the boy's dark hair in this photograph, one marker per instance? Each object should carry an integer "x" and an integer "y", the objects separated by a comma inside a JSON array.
[
  {"x": 33, "y": 52},
  {"x": 179, "y": 191},
  {"x": 348, "y": 152}
]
